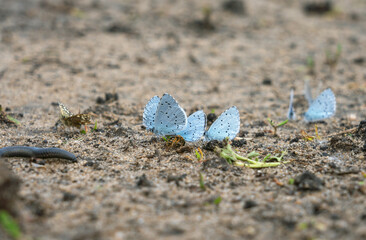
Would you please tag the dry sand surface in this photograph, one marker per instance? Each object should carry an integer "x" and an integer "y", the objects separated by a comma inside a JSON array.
[{"x": 127, "y": 183}]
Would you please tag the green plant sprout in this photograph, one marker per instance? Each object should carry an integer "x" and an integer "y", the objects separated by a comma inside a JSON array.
[
  {"x": 6, "y": 117},
  {"x": 212, "y": 110},
  {"x": 13, "y": 120},
  {"x": 217, "y": 201},
  {"x": 291, "y": 181},
  {"x": 331, "y": 59},
  {"x": 310, "y": 64},
  {"x": 202, "y": 183},
  {"x": 251, "y": 160},
  {"x": 198, "y": 155},
  {"x": 10, "y": 226},
  {"x": 275, "y": 125}
]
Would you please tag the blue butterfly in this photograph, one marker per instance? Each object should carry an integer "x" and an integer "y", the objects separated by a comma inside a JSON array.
[
  {"x": 196, "y": 124},
  {"x": 164, "y": 116},
  {"x": 226, "y": 125},
  {"x": 291, "y": 115},
  {"x": 324, "y": 106}
]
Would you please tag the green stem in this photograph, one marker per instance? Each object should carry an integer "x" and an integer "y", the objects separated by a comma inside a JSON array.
[{"x": 233, "y": 158}]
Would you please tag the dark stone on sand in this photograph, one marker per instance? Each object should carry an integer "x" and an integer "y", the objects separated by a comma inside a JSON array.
[
  {"x": 234, "y": 6},
  {"x": 250, "y": 204},
  {"x": 69, "y": 196},
  {"x": 267, "y": 82},
  {"x": 119, "y": 28},
  {"x": 142, "y": 181},
  {"x": 323, "y": 147},
  {"x": 217, "y": 162},
  {"x": 259, "y": 134},
  {"x": 343, "y": 143},
  {"x": 212, "y": 144},
  {"x": 239, "y": 142},
  {"x": 308, "y": 181},
  {"x": 100, "y": 100},
  {"x": 108, "y": 98},
  {"x": 176, "y": 179},
  {"x": 318, "y": 7},
  {"x": 359, "y": 60}
]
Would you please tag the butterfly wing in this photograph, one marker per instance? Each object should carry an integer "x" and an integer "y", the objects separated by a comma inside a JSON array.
[
  {"x": 226, "y": 125},
  {"x": 170, "y": 118},
  {"x": 78, "y": 120},
  {"x": 196, "y": 124},
  {"x": 150, "y": 112},
  {"x": 324, "y": 106},
  {"x": 291, "y": 115},
  {"x": 65, "y": 113}
]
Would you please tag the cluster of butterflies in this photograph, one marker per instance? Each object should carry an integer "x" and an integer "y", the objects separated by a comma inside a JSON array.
[
  {"x": 163, "y": 116},
  {"x": 323, "y": 107}
]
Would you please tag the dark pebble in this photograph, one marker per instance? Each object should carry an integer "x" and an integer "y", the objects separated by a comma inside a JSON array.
[
  {"x": 250, "y": 204},
  {"x": 318, "y": 7},
  {"x": 359, "y": 60},
  {"x": 68, "y": 196},
  {"x": 110, "y": 97},
  {"x": 100, "y": 100},
  {"x": 212, "y": 144},
  {"x": 119, "y": 28},
  {"x": 238, "y": 143},
  {"x": 234, "y": 6},
  {"x": 142, "y": 181},
  {"x": 323, "y": 147},
  {"x": 267, "y": 81},
  {"x": 176, "y": 179},
  {"x": 308, "y": 181},
  {"x": 259, "y": 134}
]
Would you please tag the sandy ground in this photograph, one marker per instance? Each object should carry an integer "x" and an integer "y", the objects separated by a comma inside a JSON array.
[{"x": 127, "y": 183}]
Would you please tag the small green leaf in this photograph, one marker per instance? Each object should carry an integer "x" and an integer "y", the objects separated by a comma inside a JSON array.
[
  {"x": 13, "y": 120},
  {"x": 95, "y": 126},
  {"x": 253, "y": 154},
  {"x": 83, "y": 131},
  {"x": 212, "y": 110},
  {"x": 282, "y": 123},
  {"x": 198, "y": 155},
  {"x": 291, "y": 181},
  {"x": 217, "y": 201},
  {"x": 10, "y": 226},
  {"x": 266, "y": 157}
]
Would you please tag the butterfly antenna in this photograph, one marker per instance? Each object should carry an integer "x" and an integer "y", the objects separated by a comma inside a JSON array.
[
  {"x": 291, "y": 115},
  {"x": 307, "y": 92}
]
